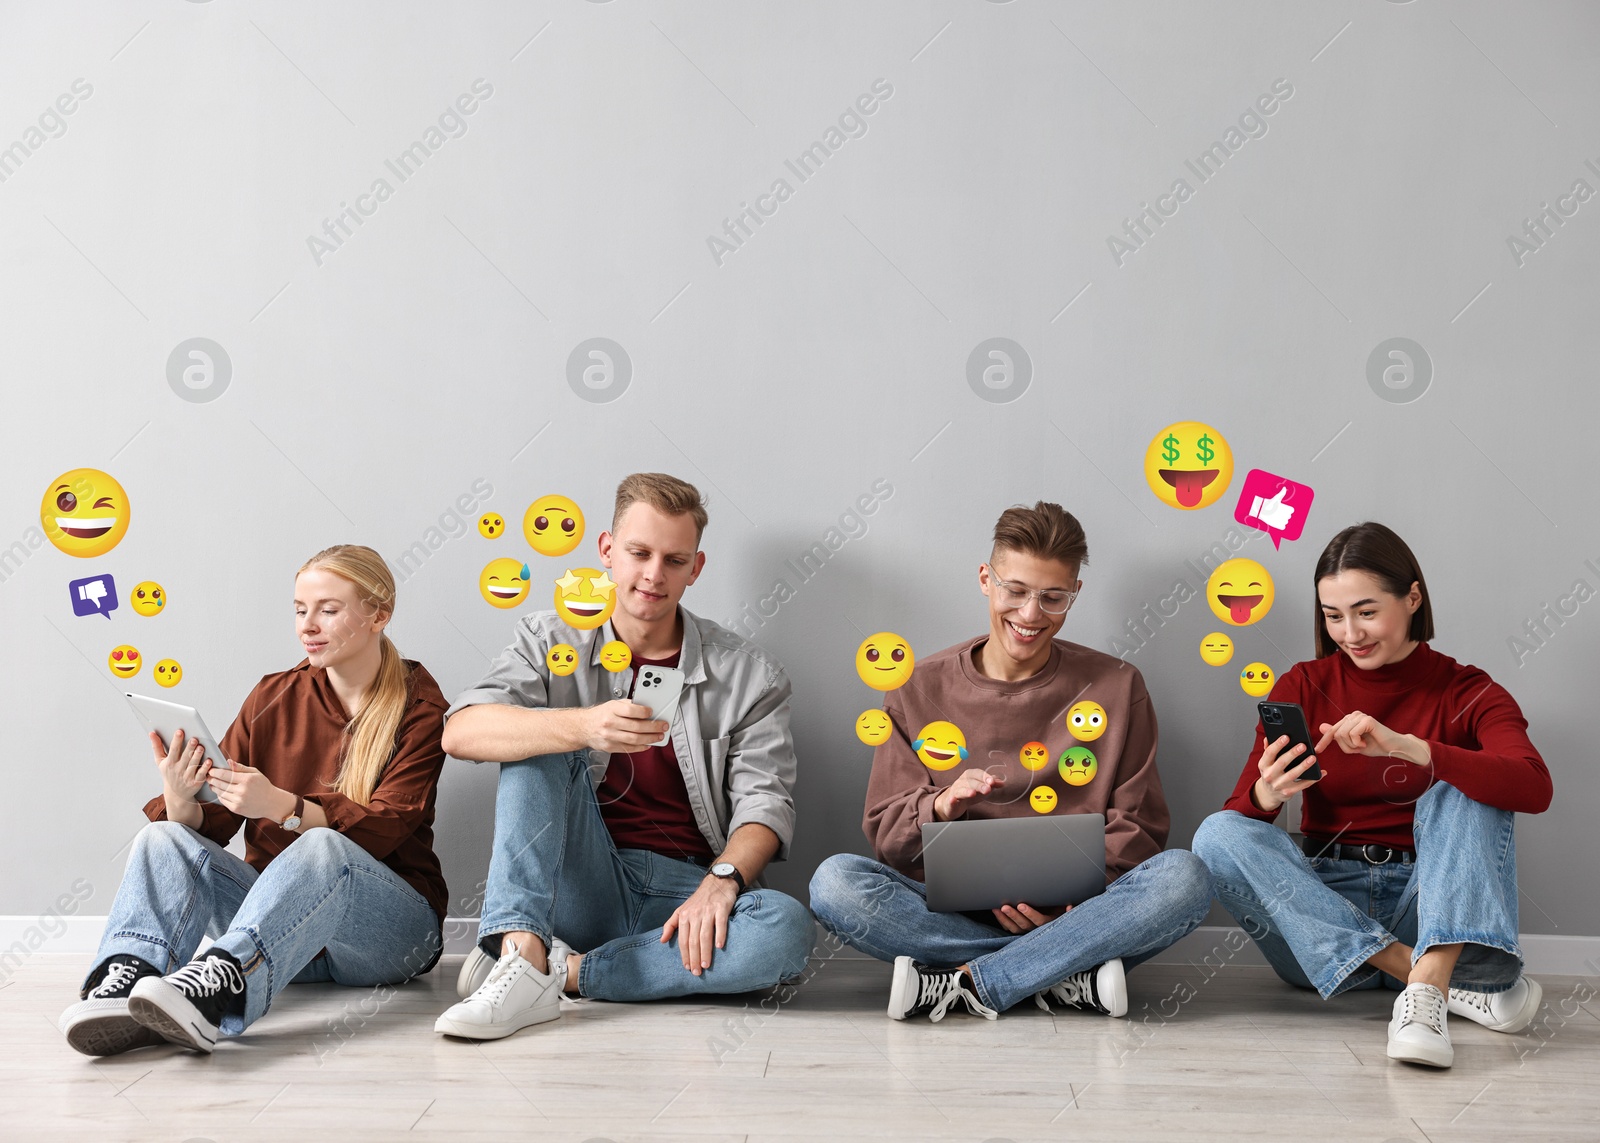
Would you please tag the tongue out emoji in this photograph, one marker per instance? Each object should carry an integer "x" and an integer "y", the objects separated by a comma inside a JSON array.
[
  {"x": 1239, "y": 592},
  {"x": 1188, "y": 465}
]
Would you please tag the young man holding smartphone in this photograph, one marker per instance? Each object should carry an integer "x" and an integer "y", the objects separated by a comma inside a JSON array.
[
  {"x": 1026, "y": 702},
  {"x": 643, "y": 857}
]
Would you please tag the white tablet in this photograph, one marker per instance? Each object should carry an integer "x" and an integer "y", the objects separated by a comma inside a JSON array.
[{"x": 167, "y": 718}]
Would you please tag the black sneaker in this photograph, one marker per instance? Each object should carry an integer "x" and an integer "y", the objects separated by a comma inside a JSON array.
[
  {"x": 187, "y": 1006},
  {"x": 99, "y": 1024},
  {"x": 922, "y": 991},
  {"x": 1103, "y": 989}
]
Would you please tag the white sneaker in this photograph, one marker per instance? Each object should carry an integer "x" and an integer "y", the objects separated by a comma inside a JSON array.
[
  {"x": 1508, "y": 1011},
  {"x": 1103, "y": 989},
  {"x": 474, "y": 971},
  {"x": 918, "y": 990},
  {"x": 513, "y": 996},
  {"x": 1417, "y": 1032}
]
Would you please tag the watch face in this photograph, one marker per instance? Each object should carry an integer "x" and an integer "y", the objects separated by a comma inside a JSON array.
[{"x": 723, "y": 869}]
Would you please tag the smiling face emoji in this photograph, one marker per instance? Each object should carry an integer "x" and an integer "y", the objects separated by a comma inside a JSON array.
[
  {"x": 1239, "y": 592},
  {"x": 1188, "y": 465},
  {"x": 1034, "y": 756},
  {"x": 1216, "y": 649},
  {"x": 1257, "y": 680},
  {"x": 168, "y": 673},
  {"x": 873, "y": 727},
  {"x": 615, "y": 656},
  {"x": 1086, "y": 721},
  {"x": 884, "y": 661},
  {"x": 1078, "y": 766},
  {"x": 585, "y": 598},
  {"x": 504, "y": 582},
  {"x": 491, "y": 525},
  {"x": 941, "y": 745},
  {"x": 553, "y": 526},
  {"x": 124, "y": 661},
  {"x": 84, "y": 512},
  {"x": 562, "y": 659},
  {"x": 1043, "y": 799},
  {"x": 148, "y": 598}
]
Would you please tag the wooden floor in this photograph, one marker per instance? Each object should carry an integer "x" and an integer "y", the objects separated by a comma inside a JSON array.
[{"x": 1236, "y": 1056}]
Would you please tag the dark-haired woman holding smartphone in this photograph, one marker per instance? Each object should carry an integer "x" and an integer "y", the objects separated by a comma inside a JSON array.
[{"x": 1407, "y": 873}]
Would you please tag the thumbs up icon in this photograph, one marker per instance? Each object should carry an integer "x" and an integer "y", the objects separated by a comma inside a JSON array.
[
  {"x": 1273, "y": 513},
  {"x": 1273, "y": 504}
]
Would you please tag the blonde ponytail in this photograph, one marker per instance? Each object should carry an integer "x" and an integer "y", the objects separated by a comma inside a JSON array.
[{"x": 370, "y": 735}]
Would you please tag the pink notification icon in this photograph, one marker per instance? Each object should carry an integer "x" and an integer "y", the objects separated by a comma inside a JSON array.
[{"x": 1275, "y": 505}]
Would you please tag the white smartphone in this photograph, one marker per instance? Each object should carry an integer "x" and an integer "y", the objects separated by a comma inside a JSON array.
[
  {"x": 167, "y": 718},
  {"x": 659, "y": 688}
]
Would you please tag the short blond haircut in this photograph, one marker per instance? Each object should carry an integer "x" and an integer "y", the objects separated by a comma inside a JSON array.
[{"x": 666, "y": 494}]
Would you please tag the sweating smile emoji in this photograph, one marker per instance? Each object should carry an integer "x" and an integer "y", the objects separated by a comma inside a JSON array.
[{"x": 504, "y": 582}]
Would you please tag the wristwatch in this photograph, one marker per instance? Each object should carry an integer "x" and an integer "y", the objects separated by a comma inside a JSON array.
[
  {"x": 292, "y": 822},
  {"x": 729, "y": 871}
]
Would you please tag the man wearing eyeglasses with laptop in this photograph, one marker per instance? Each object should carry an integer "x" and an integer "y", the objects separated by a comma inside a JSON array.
[{"x": 1051, "y": 729}]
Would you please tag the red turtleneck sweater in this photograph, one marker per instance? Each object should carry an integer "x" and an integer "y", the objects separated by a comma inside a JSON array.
[{"x": 1473, "y": 727}]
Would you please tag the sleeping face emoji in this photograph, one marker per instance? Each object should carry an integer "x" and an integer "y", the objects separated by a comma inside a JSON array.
[{"x": 941, "y": 745}]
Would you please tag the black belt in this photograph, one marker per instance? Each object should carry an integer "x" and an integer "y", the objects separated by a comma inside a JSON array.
[{"x": 1370, "y": 853}]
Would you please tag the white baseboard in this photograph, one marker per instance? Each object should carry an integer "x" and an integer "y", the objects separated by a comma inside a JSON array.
[{"x": 1549, "y": 954}]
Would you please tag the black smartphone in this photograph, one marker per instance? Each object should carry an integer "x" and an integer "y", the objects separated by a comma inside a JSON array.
[{"x": 1280, "y": 718}]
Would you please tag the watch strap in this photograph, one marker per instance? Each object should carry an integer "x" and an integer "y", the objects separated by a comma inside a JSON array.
[{"x": 296, "y": 815}]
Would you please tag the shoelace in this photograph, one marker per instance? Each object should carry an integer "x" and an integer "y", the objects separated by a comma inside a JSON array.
[
  {"x": 938, "y": 991},
  {"x": 1077, "y": 989},
  {"x": 1424, "y": 1006},
  {"x": 118, "y": 977},
  {"x": 1478, "y": 1000},
  {"x": 506, "y": 972},
  {"x": 200, "y": 977}
]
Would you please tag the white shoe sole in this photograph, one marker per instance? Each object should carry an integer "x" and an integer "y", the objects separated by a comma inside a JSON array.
[
  {"x": 104, "y": 1028},
  {"x": 1112, "y": 984},
  {"x": 446, "y": 1026},
  {"x": 169, "y": 1014},
  {"x": 904, "y": 977},
  {"x": 1432, "y": 1055},
  {"x": 1516, "y": 1022},
  {"x": 474, "y": 971}
]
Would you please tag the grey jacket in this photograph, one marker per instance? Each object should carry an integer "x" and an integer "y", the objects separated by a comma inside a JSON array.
[{"x": 731, "y": 732}]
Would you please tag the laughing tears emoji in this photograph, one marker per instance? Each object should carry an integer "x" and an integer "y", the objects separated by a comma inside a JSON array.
[
  {"x": 585, "y": 598},
  {"x": 941, "y": 745},
  {"x": 1239, "y": 592},
  {"x": 84, "y": 512}
]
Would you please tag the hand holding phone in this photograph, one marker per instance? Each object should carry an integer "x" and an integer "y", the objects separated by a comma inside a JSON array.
[
  {"x": 660, "y": 689},
  {"x": 1287, "y": 767}
]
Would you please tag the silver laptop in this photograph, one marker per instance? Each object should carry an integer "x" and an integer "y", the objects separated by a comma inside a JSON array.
[{"x": 1042, "y": 861}]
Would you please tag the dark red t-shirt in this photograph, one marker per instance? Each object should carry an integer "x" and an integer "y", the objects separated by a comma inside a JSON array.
[{"x": 644, "y": 801}]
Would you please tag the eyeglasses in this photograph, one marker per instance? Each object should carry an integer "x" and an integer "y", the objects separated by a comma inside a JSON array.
[{"x": 1051, "y": 602}]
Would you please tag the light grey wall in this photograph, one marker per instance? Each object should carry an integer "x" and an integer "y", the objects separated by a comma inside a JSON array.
[{"x": 374, "y": 383}]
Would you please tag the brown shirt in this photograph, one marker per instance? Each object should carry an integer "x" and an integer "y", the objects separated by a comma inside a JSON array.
[
  {"x": 998, "y": 719},
  {"x": 291, "y": 728}
]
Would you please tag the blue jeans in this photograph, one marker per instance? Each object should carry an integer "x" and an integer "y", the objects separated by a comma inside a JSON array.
[
  {"x": 555, "y": 872},
  {"x": 1318, "y": 919},
  {"x": 324, "y": 893},
  {"x": 885, "y": 914}
]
